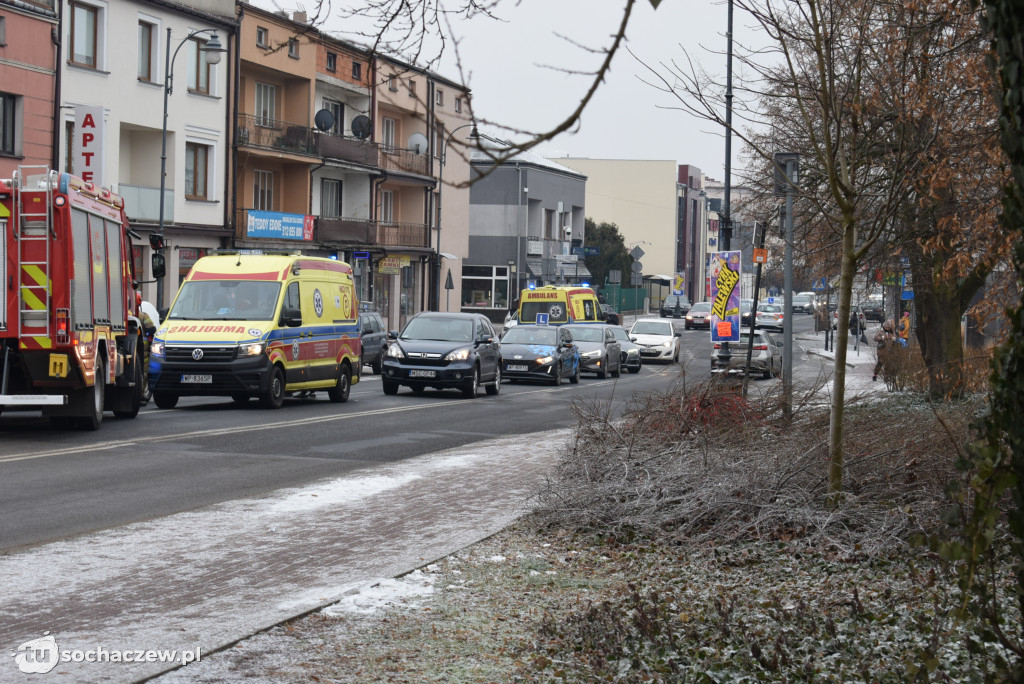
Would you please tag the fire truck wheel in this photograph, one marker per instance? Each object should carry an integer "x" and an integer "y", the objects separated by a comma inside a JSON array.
[
  {"x": 273, "y": 397},
  {"x": 339, "y": 393},
  {"x": 135, "y": 391},
  {"x": 164, "y": 400},
  {"x": 92, "y": 420}
]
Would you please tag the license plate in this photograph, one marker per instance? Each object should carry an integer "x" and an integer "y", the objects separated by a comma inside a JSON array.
[
  {"x": 197, "y": 379},
  {"x": 518, "y": 367},
  {"x": 422, "y": 373},
  {"x": 59, "y": 366}
]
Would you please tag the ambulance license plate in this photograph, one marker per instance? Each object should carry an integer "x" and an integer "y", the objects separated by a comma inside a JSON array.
[
  {"x": 518, "y": 367},
  {"x": 197, "y": 379},
  {"x": 422, "y": 374},
  {"x": 59, "y": 366}
]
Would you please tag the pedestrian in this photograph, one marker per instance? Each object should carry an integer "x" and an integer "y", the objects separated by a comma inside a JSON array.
[
  {"x": 821, "y": 320},
  {"x": 884, "y": 339},
  {"x": 903, "y": 331}
]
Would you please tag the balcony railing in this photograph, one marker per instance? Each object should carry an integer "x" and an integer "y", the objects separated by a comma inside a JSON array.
[
  {"x": 271, "y": 134},
  {"x": 365, "y": 232},
  {"x": 143, "y": 204}
]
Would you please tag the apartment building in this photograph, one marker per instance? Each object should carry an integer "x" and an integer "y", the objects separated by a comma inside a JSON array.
[
  {"x": 28, "y": 81},
  {"x": 114, "y": 85}
]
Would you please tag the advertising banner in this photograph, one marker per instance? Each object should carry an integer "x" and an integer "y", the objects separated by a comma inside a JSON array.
[
  {"x": 678, "y": 283},
  {"x": 278, "y": 225},
  {"x": 724, "y": 275},
  {"x": 87, "y": 144}
]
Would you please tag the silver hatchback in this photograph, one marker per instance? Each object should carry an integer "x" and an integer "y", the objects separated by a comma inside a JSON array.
[{"x": 766, "y": 355}]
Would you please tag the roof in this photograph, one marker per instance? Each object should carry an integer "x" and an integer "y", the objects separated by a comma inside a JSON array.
[{"x": 528, "y": 157}]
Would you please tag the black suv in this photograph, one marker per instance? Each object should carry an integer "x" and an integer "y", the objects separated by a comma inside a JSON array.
[
  {"x": 444, "y": 350},
  {"x": 374, "y": 339},
  {"x": 675, "y": 306}
]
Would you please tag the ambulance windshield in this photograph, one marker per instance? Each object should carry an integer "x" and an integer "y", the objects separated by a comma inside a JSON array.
[
  {"x": 226, "y": 300},
  {"x": 555, "y": 311}
]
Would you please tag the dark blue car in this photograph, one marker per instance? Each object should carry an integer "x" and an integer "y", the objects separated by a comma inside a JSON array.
[{"x": 540, "y": 352}]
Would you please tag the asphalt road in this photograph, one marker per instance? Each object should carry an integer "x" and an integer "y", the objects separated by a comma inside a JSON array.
[{"x": 56, "y": 484}]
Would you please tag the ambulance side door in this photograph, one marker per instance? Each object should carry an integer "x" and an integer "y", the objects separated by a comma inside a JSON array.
[
  {"x": 321, "y": 344},
  {"x": 294, "y": 340}
]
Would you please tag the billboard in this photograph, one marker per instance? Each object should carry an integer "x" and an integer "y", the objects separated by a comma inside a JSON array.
[{"x": 724, "y": 276}]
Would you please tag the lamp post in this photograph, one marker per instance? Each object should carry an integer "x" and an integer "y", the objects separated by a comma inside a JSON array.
[
  {"x": 725, "y": 230},
  {"x": 213, "y": 50},
  {"x": 436, "y": 303}
]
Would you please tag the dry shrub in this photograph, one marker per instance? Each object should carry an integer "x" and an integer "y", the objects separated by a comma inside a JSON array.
[
  {"x": 700, "y": 463},
  {"x": 905, "y": 369}
]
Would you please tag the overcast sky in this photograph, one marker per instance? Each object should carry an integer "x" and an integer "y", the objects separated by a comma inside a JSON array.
[{"x": 506, "y": 64}]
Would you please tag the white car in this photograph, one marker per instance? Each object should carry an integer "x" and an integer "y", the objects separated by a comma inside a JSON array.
[{"x": 657, "y": 339}]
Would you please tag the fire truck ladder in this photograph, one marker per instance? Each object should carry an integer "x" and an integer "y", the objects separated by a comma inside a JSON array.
[{"x": 33, "y": 227}]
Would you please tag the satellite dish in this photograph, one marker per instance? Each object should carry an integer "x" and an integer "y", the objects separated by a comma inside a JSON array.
[
  {"x": 324, "y": 120},
  {"x": 361, "y": 127},
  {"x": 418, "y": 143}
]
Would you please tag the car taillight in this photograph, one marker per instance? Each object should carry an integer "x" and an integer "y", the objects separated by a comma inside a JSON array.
[
  {"x": 63, "y": 326},
  {"x": 718, "y": 345},
  {"x": 760, "y": 347}
]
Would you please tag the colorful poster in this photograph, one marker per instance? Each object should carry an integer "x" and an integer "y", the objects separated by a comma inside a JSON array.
[
  {"x": 724, "y": 275},
  {"x": 679, "y": 283},
  {"x": 275, "y": 224}
]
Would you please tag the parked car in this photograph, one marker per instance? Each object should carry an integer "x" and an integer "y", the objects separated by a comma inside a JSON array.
[
  {"x": 611, "y": 316},
  {"x": 374, "y": 339},
  {"x": 873, "y": 310},
  {"x": 540, "y": 352},
  {"x": 444, "y": 350},
  {"x": 631, "y": 359},
  {"x": 599, "y": 351},
  {"x": 675, "y": 306},
  {"x": 803, "y": 304},
  {"x": 770, "y": 316},
  {"x": 765, "y": 356},
  {"x": 699, "y": 316},
  {"x": 658, "y": 339},
  {"x": 813, "y": 296}
]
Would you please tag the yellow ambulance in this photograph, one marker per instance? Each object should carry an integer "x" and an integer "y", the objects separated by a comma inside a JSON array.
[
  {"x": 559, "y": 305},
  {"x": 258, "y": 325}
]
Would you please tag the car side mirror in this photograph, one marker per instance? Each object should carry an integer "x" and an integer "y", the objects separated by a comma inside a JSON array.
[
  {"x": 392, "y": 334},
  {"x": 632, "y": 339},
  {"x": 291, "y": 317}
]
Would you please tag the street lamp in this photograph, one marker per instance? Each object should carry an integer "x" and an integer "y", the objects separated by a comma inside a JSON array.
[
  {"x": 436, "y": 304},
  {"x": 213, "y": 50}
]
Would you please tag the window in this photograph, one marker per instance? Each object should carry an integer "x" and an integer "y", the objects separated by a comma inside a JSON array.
[
  {"x": 263, "y": 190},
  {"x": 84, "y": 21},
  {"x": 338, "y": 110},
  {"x": 357, "y": 70},
  {"x": 412, "y": 88},
  {"x": 145, "y": 51},
  {"x": 388, "y": 126},
  {"x": 332, "y": 61},
  {"x": 392, "y": 83},
  {"x": 485, "y": 287},
  {"x": 8, "y": 112},
  {"x": 330, "y": 198},
  {"x": 439, "y": 98},
  {"x": 3, "y": 31},
  {"x": 262, "y": 39},
  {"x": 69, "y": 137},
  {"x": 293, "y": 47},
  {"x": 458, "y": 104},
  {"x": 198, "y": 67},
  {"x": 197, "y": 159},
  {"x": 387, "y": 206},
  {"x": 265, "y": 104}
]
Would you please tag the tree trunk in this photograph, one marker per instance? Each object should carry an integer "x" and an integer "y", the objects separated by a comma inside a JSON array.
[{"x": 841, "y": 343}]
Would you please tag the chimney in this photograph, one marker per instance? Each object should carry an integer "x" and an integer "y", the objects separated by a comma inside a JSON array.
[{"x": 299, "y": 17}]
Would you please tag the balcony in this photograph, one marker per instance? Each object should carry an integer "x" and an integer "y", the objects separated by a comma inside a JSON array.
[
  {"x": 271, "y": 134},
  {"x": 353, "y": 150},
  {"x": 143, "y": 204},
  {"x": 365, "y": 232}
]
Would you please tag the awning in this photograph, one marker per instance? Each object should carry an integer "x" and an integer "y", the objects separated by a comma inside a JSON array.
[
  {"x": 667, "y": 278},
  {"x": 535, "y": 268}
]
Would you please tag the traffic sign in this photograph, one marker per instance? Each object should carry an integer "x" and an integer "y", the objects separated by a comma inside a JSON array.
[
  {"x": 636, "y": 267},
  {"x": 636, "y": 253}
]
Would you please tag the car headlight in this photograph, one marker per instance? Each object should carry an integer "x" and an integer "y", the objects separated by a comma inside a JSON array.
[
  {"x": 156, "y": 349},
  {"x": 457, "y": 355},
  {"x": 592, "y": 354},
  {"x": 667, "y": 344},
  {"x": 395, "y": 352},
  {"x": 250, "y": 349},
  {"x": 545, "y": 360}
]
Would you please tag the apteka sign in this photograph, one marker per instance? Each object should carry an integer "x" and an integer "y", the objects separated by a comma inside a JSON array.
[{"x": 87, "y": 146}]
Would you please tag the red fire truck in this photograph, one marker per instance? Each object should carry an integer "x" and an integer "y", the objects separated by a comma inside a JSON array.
[{"x": 69, "y": 328}]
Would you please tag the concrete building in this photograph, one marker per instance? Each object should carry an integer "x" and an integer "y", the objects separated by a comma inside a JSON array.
[
  {"x": 113, "y": 78},
  {"x": 659, "y": 206},
  {"x": 524, "y": 218},
  {"x": 28, "y": 81}
]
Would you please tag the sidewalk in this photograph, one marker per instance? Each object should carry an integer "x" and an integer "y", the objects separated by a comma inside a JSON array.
[
  {"x": 208, "y": 578},
  {"x": 860, "y": 360}
]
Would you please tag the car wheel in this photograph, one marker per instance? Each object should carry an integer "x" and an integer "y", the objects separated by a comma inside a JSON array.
[
  {"x": 618, "y": 369},
  {"x": 636, "y": 369},
  {"x": 339, "y": 393},
  {"x": 390, "y": 387},
  {"x": 603, "y": 373},
  {"x": 495, "y": 387},
  {"x": 376, "y": 366},
  {"x": 165, "y": 400},
  {"x": 557, "y": 379},
  {"x": 470, "y": 390},
  {"x": 273, "y": 396},
  {"x": 92, "y": 419},
  {"x": 136, "y": 390},
  {"x": 575, "y": 377}
]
